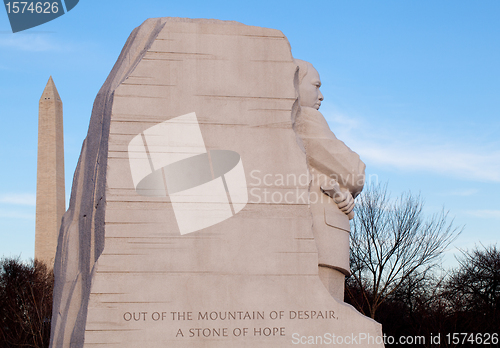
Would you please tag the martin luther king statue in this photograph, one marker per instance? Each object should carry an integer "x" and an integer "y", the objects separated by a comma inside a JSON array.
[{"x": 337, "y": 177}]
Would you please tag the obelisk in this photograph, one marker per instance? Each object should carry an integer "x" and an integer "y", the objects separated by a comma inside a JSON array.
[{"x": 50, "y": 196}]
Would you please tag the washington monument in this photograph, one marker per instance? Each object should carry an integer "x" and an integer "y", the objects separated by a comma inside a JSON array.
[{"x": 50, "y": 196}]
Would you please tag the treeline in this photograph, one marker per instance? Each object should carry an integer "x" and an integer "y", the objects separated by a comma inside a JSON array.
[
  {"x": 25, "y": 304},
  {"x": 397, "y": 277},
  {"x": 466, "y": 300}
]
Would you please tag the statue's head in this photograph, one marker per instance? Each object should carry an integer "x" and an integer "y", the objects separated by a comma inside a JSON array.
[{"x": 309, "y": 84}]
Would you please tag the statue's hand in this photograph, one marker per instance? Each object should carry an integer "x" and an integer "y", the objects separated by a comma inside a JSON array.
[{"x": 344, "y": 200}]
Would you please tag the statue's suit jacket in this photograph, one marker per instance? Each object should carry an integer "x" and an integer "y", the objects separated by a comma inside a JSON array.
[{"x": 329, "y": 158}]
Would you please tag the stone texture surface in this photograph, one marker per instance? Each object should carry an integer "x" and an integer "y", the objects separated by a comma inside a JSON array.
[
  {"x": 125, "y": 276},
  {"x": 50, "y": 196}
]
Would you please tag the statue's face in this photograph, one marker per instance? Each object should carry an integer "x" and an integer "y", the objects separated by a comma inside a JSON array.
[{"x": 310, "y": 95}]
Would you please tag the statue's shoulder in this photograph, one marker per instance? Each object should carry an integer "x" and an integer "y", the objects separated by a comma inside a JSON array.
[
  {"x": 307, "y": 114},
  {"x": 311, "y": 112}
]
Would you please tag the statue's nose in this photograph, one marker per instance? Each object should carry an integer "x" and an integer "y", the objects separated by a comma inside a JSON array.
[{"x": 320, "y": 96}]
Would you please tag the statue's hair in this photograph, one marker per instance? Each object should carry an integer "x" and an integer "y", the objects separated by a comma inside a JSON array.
[{"x": 303, "y": 68}]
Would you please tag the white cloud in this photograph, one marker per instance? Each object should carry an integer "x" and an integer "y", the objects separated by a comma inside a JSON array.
[
  {"x": 346, "y": 122},
  {"x": 18, "y": 199},
  {"x": 28, "y": 42},
  {"x": 12, "y": 214},
  {"x": 461, "y": 163},
  {"x": 464, "y": 192},
  {"x": 415, "y": 150},
  {"x": 485, "y": 214}
]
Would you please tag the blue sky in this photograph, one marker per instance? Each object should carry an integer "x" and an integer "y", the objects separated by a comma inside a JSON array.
[{"x": 412, "y": 86}]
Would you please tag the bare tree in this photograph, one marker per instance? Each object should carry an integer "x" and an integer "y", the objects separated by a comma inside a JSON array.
[
  {"x": 391, "y": 243},
  {"x": 473, "y": 290},
  {"x": 25, "y": 303}
]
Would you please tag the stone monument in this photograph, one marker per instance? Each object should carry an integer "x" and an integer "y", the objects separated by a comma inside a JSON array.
[
  {"x": 337, "y": 175},
  {"x": 50, "y": 196},
  {"x": 189, "y": 222}
]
